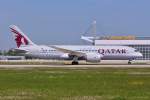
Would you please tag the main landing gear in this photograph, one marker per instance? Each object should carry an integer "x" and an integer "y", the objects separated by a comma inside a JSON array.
[{"x": 75, "y": 61}]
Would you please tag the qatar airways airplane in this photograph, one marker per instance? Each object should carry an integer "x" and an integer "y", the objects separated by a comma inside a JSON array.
[{"x": 72, "y": 52}]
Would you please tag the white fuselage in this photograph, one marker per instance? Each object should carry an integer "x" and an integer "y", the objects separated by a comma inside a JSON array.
[
  {"x": 107, "y": 52},
  {"x": 71, "y": 52}
]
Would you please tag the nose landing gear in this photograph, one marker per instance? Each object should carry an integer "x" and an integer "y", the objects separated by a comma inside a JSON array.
[{"x": 129, "y": 62}]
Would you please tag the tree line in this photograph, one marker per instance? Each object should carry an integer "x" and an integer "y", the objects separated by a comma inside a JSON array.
[{"x": 8, "y": 53}]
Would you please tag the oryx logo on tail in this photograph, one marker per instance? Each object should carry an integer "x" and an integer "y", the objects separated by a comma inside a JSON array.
[
  {"x": 20, "y": 37},
  {"x": 20, "y": 40}
]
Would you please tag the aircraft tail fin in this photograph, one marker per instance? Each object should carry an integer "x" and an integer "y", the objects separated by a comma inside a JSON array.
[{"x": 20, "y": 37}]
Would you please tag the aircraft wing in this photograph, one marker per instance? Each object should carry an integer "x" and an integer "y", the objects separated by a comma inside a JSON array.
[{"x": 70, "y": 52}]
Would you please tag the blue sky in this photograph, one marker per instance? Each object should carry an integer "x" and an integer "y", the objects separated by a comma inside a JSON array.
[{"x": 63, "y": 21}]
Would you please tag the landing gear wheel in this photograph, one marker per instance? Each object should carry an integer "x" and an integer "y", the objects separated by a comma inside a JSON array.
[
  {"x": 75, "y": 63},
  {"x": 129, "y": 63}
]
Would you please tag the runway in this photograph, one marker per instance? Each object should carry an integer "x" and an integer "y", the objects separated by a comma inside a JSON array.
[
  {"x": 74, "y": 66},
  {"x": 66, "y": 64}
]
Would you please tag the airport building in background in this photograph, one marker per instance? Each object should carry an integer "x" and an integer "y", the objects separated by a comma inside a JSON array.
[
  {"x": 142, "y": 44},
  {"x": 12, "y": 58}
]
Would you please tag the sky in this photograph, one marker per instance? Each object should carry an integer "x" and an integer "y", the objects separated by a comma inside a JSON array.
[{"x": 64, "y": 21}]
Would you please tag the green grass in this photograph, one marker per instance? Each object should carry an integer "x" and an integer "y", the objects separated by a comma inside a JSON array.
[{"x": 75, "y": 84}]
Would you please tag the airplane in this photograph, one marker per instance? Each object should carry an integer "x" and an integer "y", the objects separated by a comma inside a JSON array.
[{"x": 89, "y": 53}]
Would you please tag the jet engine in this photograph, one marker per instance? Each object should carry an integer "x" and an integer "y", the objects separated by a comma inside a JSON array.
[
  {"x": 65, "y": 56},
  {"x": 93, "y": 57}
]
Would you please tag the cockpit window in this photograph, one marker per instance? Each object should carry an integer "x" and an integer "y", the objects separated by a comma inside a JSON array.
[{"x": 136, "y": 50}]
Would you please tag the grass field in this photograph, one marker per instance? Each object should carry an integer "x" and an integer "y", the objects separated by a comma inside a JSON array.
[{"x": 75, "y": 84}]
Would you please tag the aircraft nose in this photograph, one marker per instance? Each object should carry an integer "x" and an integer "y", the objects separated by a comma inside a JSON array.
[{"x": 139, "y": 54}]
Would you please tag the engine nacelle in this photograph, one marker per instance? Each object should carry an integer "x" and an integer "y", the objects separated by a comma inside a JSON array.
[
  {"x": 93, "y": 57},
  {"x": 65, "y": 56}
]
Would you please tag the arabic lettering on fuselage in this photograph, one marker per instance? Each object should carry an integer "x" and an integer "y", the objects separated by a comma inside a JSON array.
[{"x": 112, "y": 51}]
